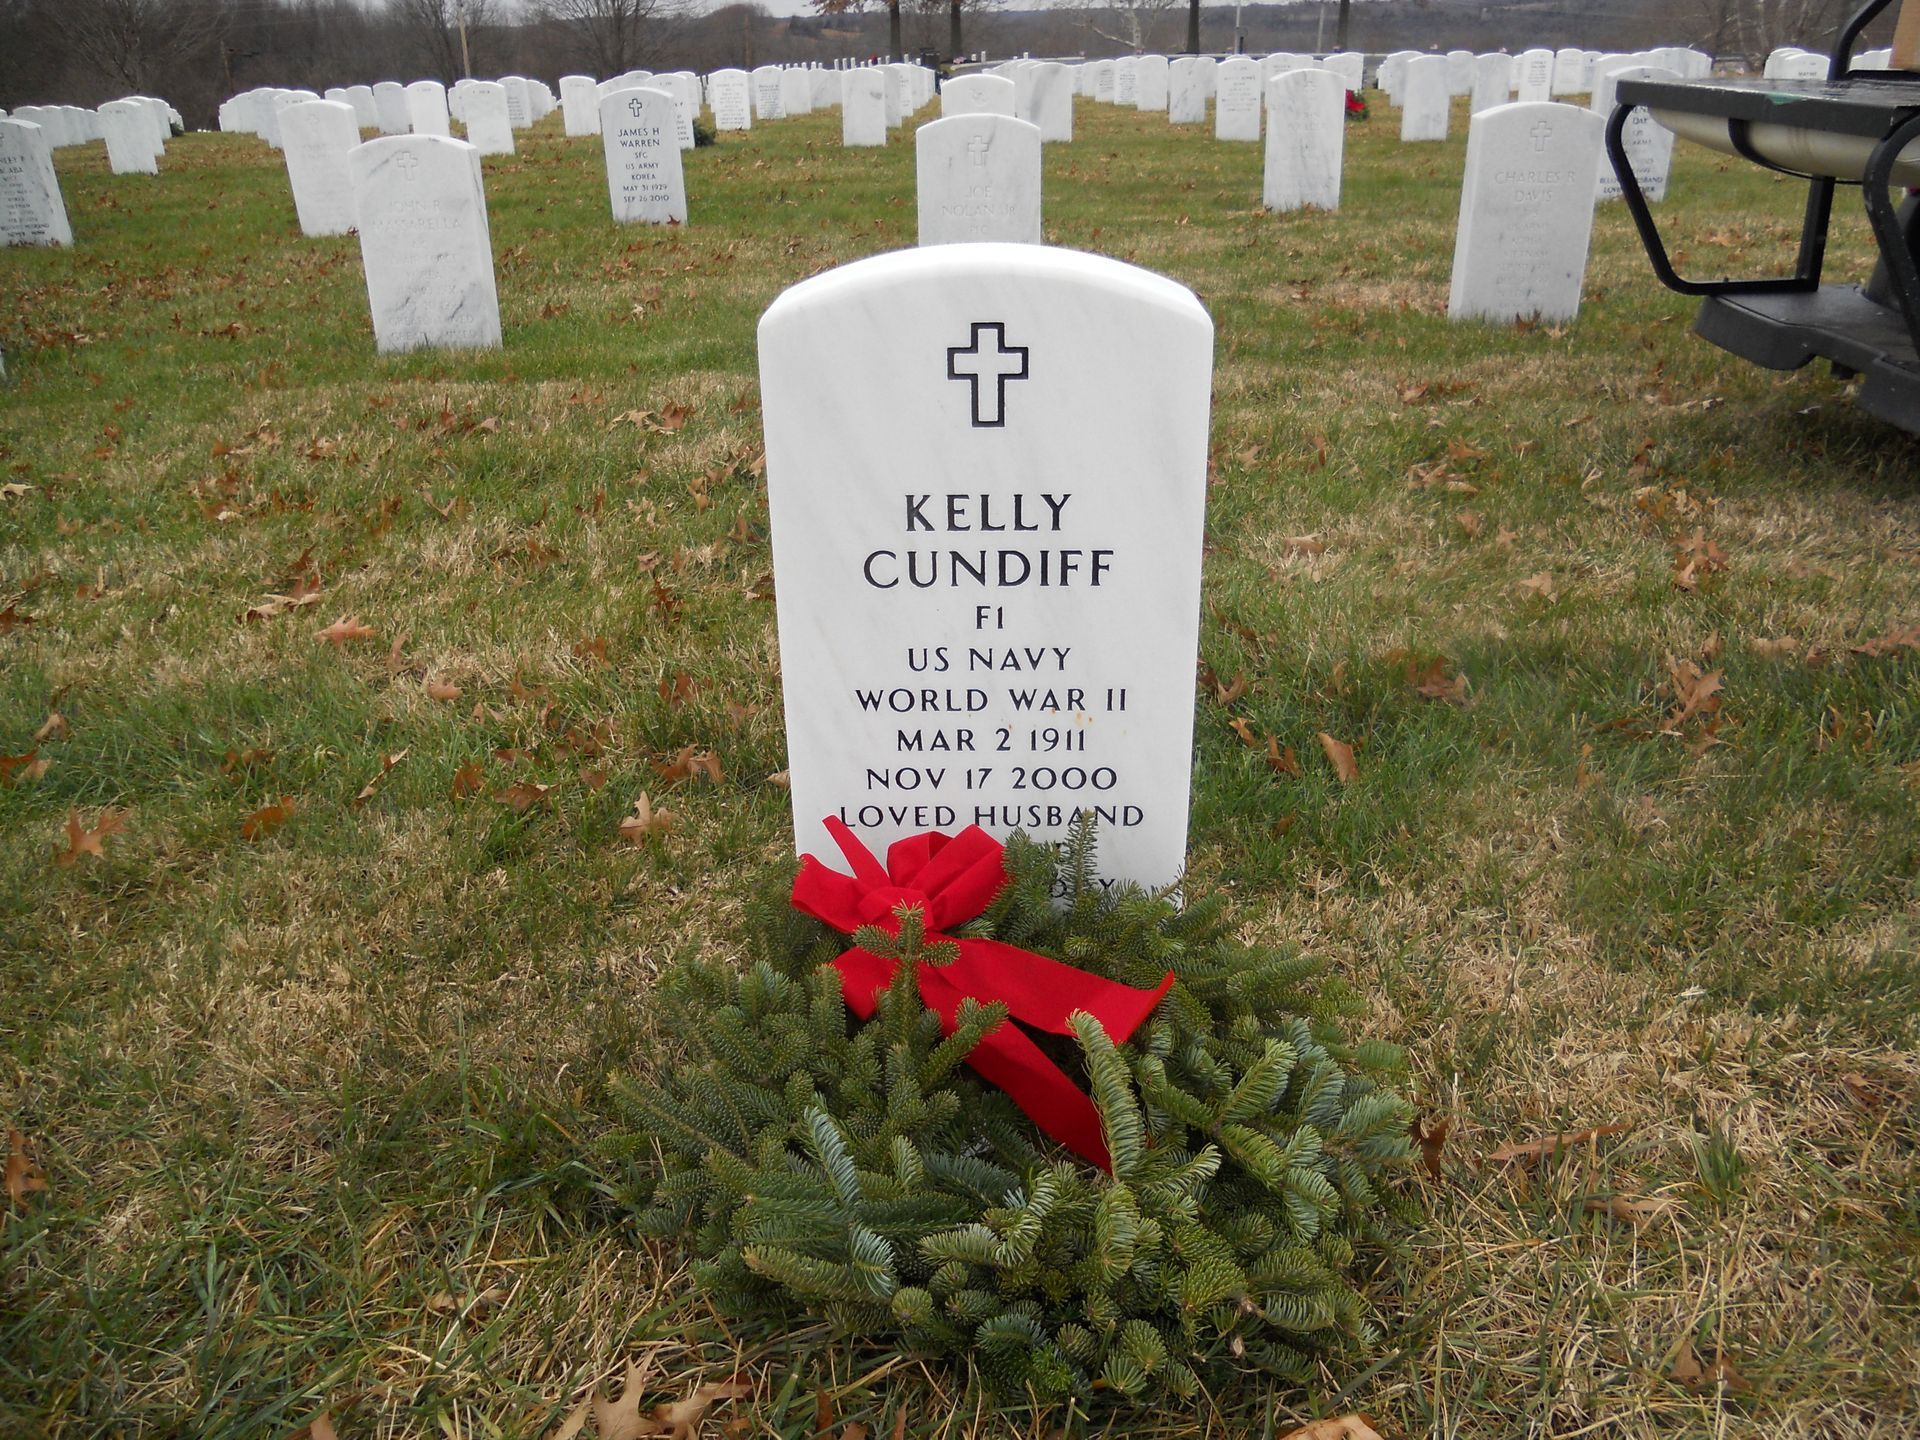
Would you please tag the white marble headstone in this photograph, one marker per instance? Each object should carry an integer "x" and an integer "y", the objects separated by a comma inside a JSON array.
[
  {"x": 32, "y": 211},
  {"x": 390, "y": 105},
  {"x": 1569, "y": 71},
  {"x": 1126, "y": 77},
  {"x": 1424, "y": 99},
  {"x": 978, "y": 179},
  {"x": 977, "y": 95},
  {"x": 579, "y": 105},
  {"x": 315, "y": 139},
  {"x": 766, "y": 93},
  {"x": 863, "y": 108},
  {"x": 365, "y": 112},
  {"x": 422, "y": 214},
  {"x": 129, "y": 137},
  {"x": 1306, "y": 140},
  {"x": 796, "y": 92},
  {"x": 1460, "y": 72},
  {"x": 639, "y": 131},
  {"x": 1526, "y": 213},
  {"x": 1349, "y": 65},
  {"x": 1188, "y": 88},
  {"x": 1001, "y": 632},
  {"x": 730, "y": 94},
  {"x": 1533, "y": 75},
  {"x": 1237, "y": 100},
  {"x": 1649, "y": 144},
  {"x": 519, "y": 101},
  {"x": 427, "y": 108},
  {"x": 1492, "y": 79},
  {"x": 1052, "y": 102},
  {"x": 1106, "y": 81},
  {"x": 489, "y": 122},
  {"x": 1150, "y": 83}
]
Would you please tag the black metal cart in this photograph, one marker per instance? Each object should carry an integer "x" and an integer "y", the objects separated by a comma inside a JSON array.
[{"x": 1784, "y": 321}]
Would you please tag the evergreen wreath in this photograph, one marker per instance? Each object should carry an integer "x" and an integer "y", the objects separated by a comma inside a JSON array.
[{"x": 859, "y": 1174}]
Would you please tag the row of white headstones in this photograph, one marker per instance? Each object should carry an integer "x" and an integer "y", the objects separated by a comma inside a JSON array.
[{"x": 1525, "y": 214}]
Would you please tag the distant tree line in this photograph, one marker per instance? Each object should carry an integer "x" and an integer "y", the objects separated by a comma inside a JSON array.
[{"x": 194, "y": 53}]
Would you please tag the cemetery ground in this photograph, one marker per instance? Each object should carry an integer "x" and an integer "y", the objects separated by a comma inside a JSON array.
[{"x": 1558, "y": 688}]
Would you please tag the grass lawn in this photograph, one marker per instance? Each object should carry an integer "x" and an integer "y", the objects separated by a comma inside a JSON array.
[{"x": 312, "y": 1051}]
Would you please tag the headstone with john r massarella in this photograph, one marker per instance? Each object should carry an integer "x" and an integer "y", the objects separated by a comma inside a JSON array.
[
  {"x": 315, "y": 139},
  {"x": 639, "y": 131},
  {"x": 1003, "y": 631},
  {"x": 489, "y": 118},
  {"x": 978, "y": 178},
  {"x": 1526, "y": 213},
  {"x": 32, "y": 211},
  {"x": 421, "y": 210},
  {"x": 977, "y": 95}
]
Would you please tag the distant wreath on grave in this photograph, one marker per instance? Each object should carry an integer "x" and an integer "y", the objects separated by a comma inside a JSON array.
[
  {"x": 1357, "y": 106},
  {"x": 1204, "y": 1215}
]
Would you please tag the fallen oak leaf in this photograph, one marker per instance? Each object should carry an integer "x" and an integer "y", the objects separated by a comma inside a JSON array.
[
  {"x": 1688, "y": 1370},
  {"x": 1238, "y": 724},
  {"x": 54, "y": 727},
  {"x": 468, "y": 780},
  {"x": 1340, "y": 1427},
  {"x": 621, "y": 1419},
  {"x": 387, "y": 762},
  {"x": 1232, "y": 691},
  {"x": 1527, "y": 1152},
  {"x": 443, "y": 690},
  {"x": 1281, "y": 762},
  {"x": 645, "y": 821},
  {"x": 1340, "y": 755},
  {"x": 268, "y": 818},
  {"x": 82, "y": 840},
  {"x": 522, "y": 795},
  {"x": 29, "y": 766},
  {"x": 1628, "y": 1210},
  {"x": 682, "y": 1417},
  {"x": 24, "y": 1177},
  {"x": 1431, "y": 1137},
  {"x": 1540, "y": 585},
  {"x": 347, "y": 627}
]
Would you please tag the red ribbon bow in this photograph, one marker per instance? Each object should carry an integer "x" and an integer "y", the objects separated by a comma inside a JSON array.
[{"x": 951, "y": 879}]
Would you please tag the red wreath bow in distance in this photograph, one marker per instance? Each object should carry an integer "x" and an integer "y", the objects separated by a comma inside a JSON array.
[{"x": 950, "y": 879}]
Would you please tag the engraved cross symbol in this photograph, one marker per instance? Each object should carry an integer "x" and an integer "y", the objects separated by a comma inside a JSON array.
[
  {"x": 406, "y": 162},
  {"x": 977, "y": 149},
  {"x": 1541, "y": 133},
  {"x": 974, "y": 363},
  {"x": 636, "y": 107}
]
